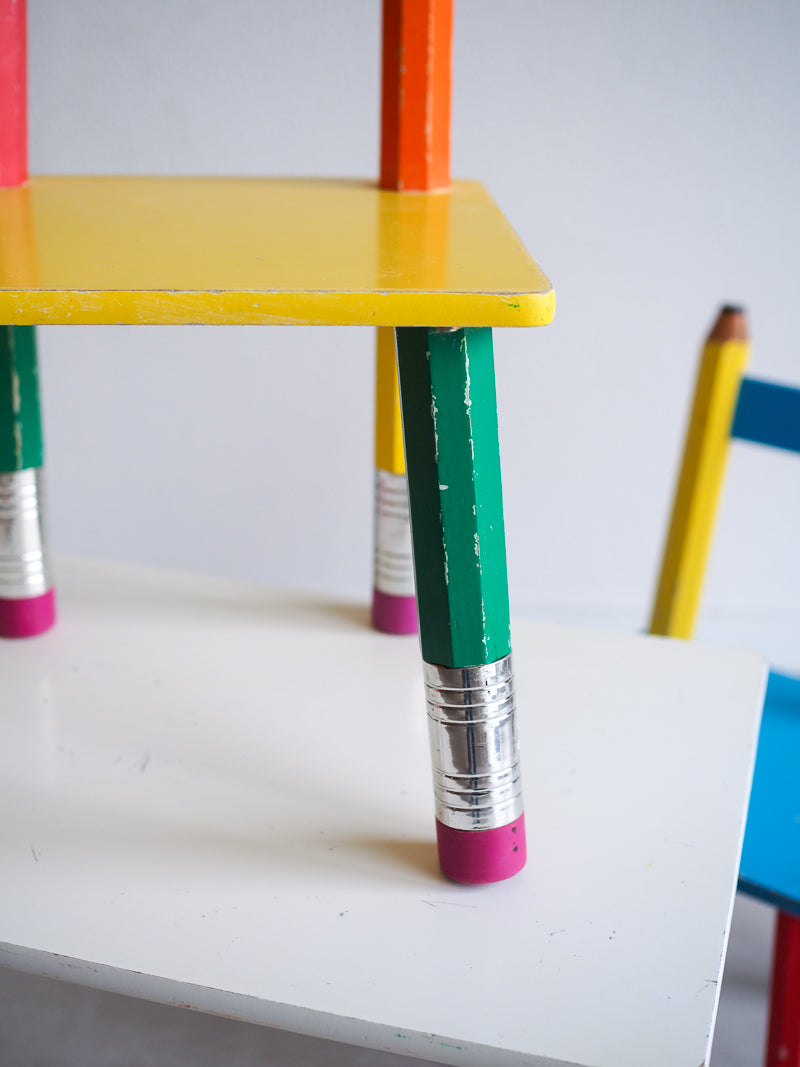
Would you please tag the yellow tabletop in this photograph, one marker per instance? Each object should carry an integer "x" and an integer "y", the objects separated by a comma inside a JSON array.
[{"x": 104, "y": 250}]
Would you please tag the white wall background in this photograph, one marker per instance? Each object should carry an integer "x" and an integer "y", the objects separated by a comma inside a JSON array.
[{"x": 647, "y": 153}]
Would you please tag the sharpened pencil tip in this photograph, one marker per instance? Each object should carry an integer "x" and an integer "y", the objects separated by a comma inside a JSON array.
[{"x": 730, "y": 325}]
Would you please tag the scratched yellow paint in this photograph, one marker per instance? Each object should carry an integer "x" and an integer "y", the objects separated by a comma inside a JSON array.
[{"x": 98, "y": 250}]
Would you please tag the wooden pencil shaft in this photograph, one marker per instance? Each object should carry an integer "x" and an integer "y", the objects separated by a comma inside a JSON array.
[
  {"x": 415, "y": 94},
  {"x": 389, "y": 455},
  {"x": 450, "y": 430},
  {"x": 20, "y": 419},
  {"x": 414, "y": 155},
  {"x": 13, "y": 94},
  {"x": 701, "y": 476}
]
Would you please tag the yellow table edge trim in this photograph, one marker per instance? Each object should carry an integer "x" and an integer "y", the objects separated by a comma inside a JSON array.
[{"x": 153, "y": 307}]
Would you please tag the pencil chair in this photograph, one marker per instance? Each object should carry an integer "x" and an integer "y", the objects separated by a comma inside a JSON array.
[
  {"x": 729, "y": 406},
  {"x": 414, "y": 157},
  {"x": 27, "y": 604},
  {"x": 436, "y": 266}
]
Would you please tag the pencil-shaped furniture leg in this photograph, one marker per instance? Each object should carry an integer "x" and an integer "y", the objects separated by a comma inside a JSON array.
[
  {"x": 724, "y": 358},
  {"x": 452, "y": 458},
  {"x": 783, "y": 1036},
  {"x": 13, "y": 93},
  {"x": 415, "y": 155},
  {"x": 394, "y": 606},
  {"x": 27, "y": 603}
]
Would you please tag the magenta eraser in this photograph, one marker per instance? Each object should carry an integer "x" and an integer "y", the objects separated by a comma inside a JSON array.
[
  {"x": 394, "y": 614},
  {"x": 479, "y": 856},
  {"x": 27, "y": 616}
]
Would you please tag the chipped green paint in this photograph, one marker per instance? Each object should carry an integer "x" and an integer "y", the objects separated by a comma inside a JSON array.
[
  {"x": 452, "y": 456},
  {"x": 20, "y": 420},
  {"x": 434, "y": 1040}
]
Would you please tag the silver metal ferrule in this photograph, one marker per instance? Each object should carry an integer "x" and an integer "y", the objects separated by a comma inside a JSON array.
[
  {"x": 394, "y": 563},
  {"x": 474, "y": 745},
  {"x": 23, "y": 557}
]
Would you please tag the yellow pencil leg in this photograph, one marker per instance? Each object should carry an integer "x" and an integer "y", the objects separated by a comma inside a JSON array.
[
  {"x": 394, "y": 607},
  {"x": 702, "y": 470},
  {"x": 389, "y": 455}
]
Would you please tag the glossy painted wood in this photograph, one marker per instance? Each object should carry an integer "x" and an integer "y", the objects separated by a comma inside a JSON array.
[
  {"x": 13, "y": 93},
  {"x": 227, "y": 250},
  {"x": 768, "y": 413},
  {"x": 20, "y": 417},
  {"x": 421, "y": 230},
  {"x": 699, "y": 485},
  {"x": 450, "y": 426},
  {"x": 415, "y": 94},
  {"x": 193, "y": 826},
  {"x": 415, "y": 155}
]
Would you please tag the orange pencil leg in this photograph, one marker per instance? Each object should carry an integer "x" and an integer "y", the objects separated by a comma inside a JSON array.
[
  {"x": 415, "y": 110},
  {"x": 415, "y": 156}
]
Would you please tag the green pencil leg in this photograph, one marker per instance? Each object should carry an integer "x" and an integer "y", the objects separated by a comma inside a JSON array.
[{"x": 452, "y": 457}]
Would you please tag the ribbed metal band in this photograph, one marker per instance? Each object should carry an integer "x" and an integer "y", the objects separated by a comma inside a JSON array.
[
  {"x": 394, "y": 564},
  {"x": 23, "y": 557},
  {"x": 474, "y": 745}
]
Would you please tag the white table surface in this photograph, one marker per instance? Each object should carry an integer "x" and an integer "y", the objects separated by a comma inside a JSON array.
[{"x": 217, "y": 795}]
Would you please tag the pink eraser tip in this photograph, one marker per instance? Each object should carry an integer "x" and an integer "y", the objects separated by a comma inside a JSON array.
[
  {"x": 28, "y": 616},
  {"x": 394, "y": 614},
  {"x": 479, "y": 856}
]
